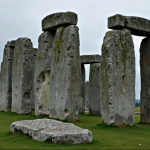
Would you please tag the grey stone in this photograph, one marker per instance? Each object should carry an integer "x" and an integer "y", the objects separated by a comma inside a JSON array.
[
  {"x": 52, "y": 130},
  {"x": 22, "y": 76},
  {"x": 88, "y": 59},
  {"x": 145, "y": 82},
  {"x": 1, "y": 88},
  {"x": 7, "y": 75},
  {"x": 82, "y": 91},
  {"x": 56, "y": 20},
  {"x": 94, "y": 89},
  {"x": 137, "y": 25},
  {"x": 65, "y": 74},
  {"x": 116, "y": 22},
  {"x": 87, "y": 95},
  {"x": 42, "y": 73},
  {"x": 117, "y": 78},
  {"x": 34, "y": 53},
  {"x": 11, "y": 43}
]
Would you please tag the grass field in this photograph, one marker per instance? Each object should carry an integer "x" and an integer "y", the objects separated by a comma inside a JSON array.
[
  {"x": 104, "y": 137},
  {"x": 137, "y": 109}
]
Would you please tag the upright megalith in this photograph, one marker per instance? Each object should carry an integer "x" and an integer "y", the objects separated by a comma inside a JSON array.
[
  {"x": 6, "y": 75},
  {"x": 65, "y": 74},
  {"x": 87, "y": 95},
  {"x": 42, "y": 73},
  {"x": 56, "y": 20},
  {"x": 137, "y": 25},
  {"x": 82, "y": 91},
  {"x": 145, "y": 80},
  {"x": 22, "y": 76},
  {"x": 117, "y": 78},
  {"x": 94, "y": 89}
]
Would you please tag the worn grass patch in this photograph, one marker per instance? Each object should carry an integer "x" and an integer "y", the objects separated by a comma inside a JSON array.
[{"x": 104, "y": 136}]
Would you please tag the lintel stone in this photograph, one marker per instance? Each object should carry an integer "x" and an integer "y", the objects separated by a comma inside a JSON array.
[
  {"x": 56, "y": 20},
  {"x": 89, "y": 59}
]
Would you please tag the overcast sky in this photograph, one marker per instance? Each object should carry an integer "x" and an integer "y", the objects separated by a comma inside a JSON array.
[{"x": 22, "y": 18}]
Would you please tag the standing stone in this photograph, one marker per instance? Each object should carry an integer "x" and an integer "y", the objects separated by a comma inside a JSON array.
[
  {"x": 1, "y": 88},
  {"x": 145, "y": 80},
  {"x": 42, "y": 73},
  {"x": 65, "y": 74},
  {"x": 7, "y": 75},
  {"x": 87, "y": 95},
  {"x": 22, "y": 76},
  {"x": 117, "y": 78},
  {"x": 82, "y": 90},
  {"x": 94, "y": 89}
]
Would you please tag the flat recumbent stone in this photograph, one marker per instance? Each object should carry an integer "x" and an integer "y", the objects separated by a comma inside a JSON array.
[
  {"x": 56, "y": 20},
  {"x": 55, "y": 131}
]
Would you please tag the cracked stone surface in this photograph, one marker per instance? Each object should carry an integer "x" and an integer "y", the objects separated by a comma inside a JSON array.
[
  {"x": 55, "y": 131},
  {"x": 145, "y": 80},
  {"x": 22, "y": 76},
  {"x": 117, "y": 78},
  {"x": 56, "y": 20},
  {"x": 65, "y": 74}
]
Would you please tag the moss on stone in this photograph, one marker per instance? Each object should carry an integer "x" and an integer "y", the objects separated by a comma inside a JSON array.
[
  {"x": 98, "y": 67},
  {"x": 109, "y": 32},
  {"x": 16, "y": 56}
]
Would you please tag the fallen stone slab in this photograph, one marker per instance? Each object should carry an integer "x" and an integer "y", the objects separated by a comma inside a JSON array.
[
  {"x": 55, "y": 131},
  {"x": 117, "y": 78},
  {"x": 56, "y": 20},
  {"x": 137, "y": 25},
  {"x": 88, "y": 59}
]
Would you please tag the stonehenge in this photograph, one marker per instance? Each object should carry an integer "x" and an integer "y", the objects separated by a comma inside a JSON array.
[
  {"x": 42, "y": 67},
  {"x": 117, "y": 78},
  {"x": 145, "y": 83},
  {"x": 94, "y": 89},
  {"x": 51, "y": 78},
  {"x": 22, "y": 76}
]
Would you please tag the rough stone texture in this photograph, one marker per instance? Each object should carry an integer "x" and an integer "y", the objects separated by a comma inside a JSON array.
[
  {"x": 87, "y": 95},
  {"x": 137, "y": 25},
  {"x": 52, "y": 130},
  {"x": 82, "y": 90},
  {"x": 1, "y": 88},
  {"x": 65, "y": 74},
  {"x": 117, "y": 78},
  {"x": 42, "y": 73},
  {"x": 22, "y": 76},
  {"x": 94, "y": 89},
  {"x": 56, "y": 20},
  {"x": 88, "y": 59},
  {"x": 32, "y": 91},
  {"x": 145, "y": 82},
  {"x": 7, "y": 75},
  {"x": 116, "y": 22}
]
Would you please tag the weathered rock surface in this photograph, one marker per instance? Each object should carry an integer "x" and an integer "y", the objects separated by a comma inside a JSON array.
[
  {"x": 137, "y": 25},
  {"x": 7, "y": 75},
  {"x": 42, "y": 73},
  {"x": 65, "y": 74},
  {"x": 87, "y": 95},
  {"x": 1, "y": 88},
  {"x": 52, "y": 130},
  {"x": 56, "y": 20},
  {"x": 94, "y": 89},
  {"x": 116, "y": 22},
  {"x": 88, "y": 59},
  {"x": 117, "y": 78},
  {"x": 145, "y": 82},
  {"x": 82, "y": 91},
  {"x": 22, "y": 76}
]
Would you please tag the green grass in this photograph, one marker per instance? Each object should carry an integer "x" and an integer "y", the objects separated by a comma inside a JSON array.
[{"x": 104, "y": 136}]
